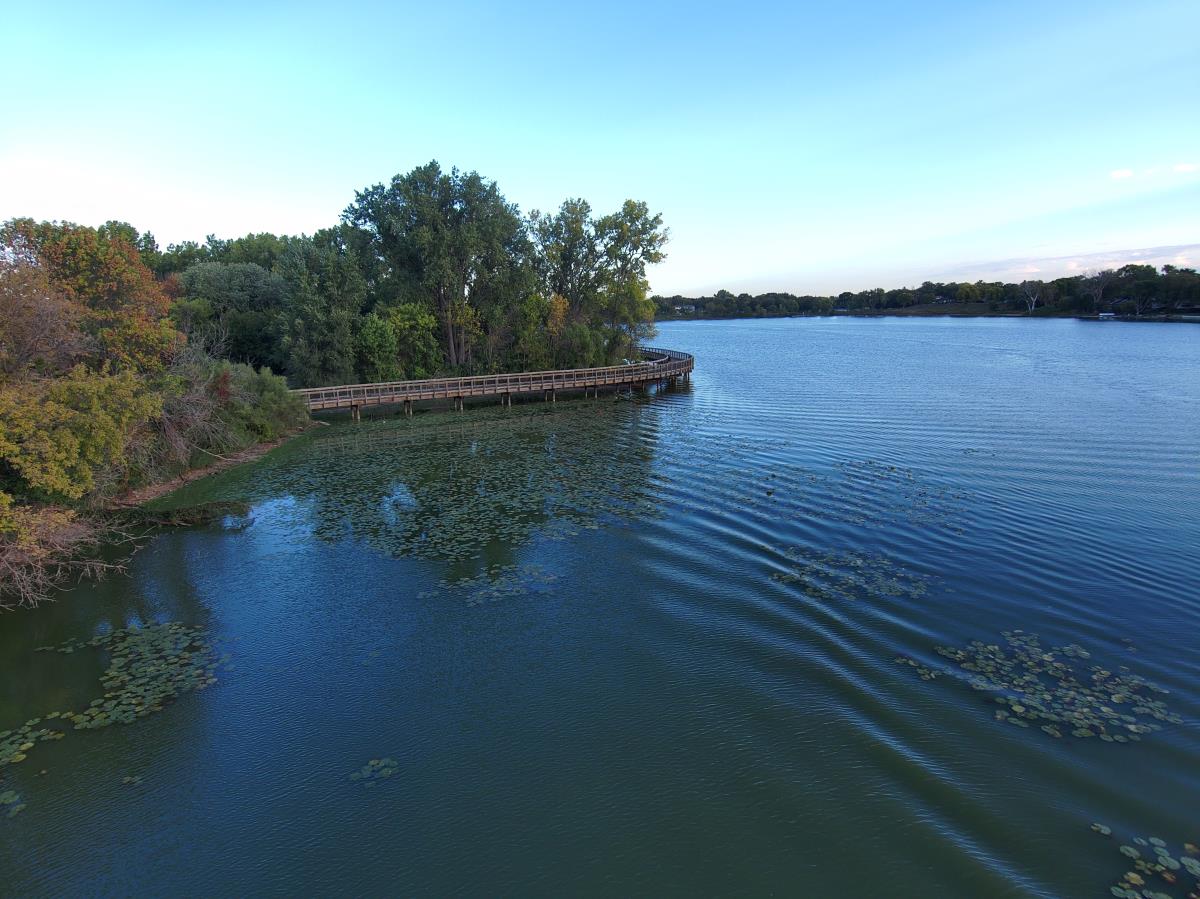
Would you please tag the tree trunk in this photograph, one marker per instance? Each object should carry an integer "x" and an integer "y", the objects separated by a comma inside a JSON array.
[{"x": 447, "y": 319}]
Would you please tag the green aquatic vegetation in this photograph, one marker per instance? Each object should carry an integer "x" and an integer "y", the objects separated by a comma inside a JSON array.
[
  {"x": 148, "y": 668},
  {"x": 447, "y": 492},
  {"x": 376, "y": 770},
  {"x": 497, "y": 583},
  {"x": 14, "y": 744},
  {"x": 849, "y": 575},
  {"x": 1054, "y": 689},
  {"x": 10, "y": 803},
  {"x": 1161, "y": 874},
  {"x": 924, "y": 672}
]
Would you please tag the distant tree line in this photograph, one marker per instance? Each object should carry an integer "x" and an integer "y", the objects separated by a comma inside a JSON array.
[{"x": 1135, "y": 290}]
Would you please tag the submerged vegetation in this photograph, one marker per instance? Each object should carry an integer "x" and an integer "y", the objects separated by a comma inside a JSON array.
[
  {"x": 123, "y": 366},
  {"x": 1053, "y": 689},
  {"x": 848, "y": 575},
  {"x": 376, "y": 770}
]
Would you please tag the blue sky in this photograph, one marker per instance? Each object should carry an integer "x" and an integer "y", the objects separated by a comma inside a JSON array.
[{"x": 802, "y": 147}]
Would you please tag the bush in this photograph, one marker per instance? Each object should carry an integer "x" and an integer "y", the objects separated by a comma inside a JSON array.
[{"x": 257, "y": 404}]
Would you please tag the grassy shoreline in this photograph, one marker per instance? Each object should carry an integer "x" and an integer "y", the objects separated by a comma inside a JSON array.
[{"x": 139, "y": 497}]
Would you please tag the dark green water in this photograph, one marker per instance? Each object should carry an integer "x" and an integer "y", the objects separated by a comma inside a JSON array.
[{"x": 649, "y": 646}]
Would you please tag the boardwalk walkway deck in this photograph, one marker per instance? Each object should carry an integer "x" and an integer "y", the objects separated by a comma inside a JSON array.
[{"x": 657, "y": 365}]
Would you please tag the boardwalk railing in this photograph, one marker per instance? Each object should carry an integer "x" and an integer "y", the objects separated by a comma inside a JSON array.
[{"x": 656, "y": 365}]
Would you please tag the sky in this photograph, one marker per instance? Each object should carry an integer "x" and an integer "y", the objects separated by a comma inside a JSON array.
[{"x": 806, "y": 147}]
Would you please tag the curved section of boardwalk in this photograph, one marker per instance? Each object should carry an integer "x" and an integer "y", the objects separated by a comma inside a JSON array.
[{"x": 657, "y": 365}]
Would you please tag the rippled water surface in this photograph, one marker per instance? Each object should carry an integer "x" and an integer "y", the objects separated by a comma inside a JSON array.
[{"x": 678, "y": 644}]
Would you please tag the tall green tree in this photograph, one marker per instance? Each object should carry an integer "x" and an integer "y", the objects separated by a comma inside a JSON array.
[
  {"x": 457, "y": 238},
  {"x": 326, "y": 295},
  {"x": 232, "y": 307},
  {"x": 632, "y": 239}
]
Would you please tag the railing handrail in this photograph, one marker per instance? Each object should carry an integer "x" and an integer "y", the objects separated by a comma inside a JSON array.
[{"x": 655, "y": 359}]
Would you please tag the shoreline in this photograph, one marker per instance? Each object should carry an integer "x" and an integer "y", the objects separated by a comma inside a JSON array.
[
  {"x": 1185, "y": 319},
  {"x": 139, "y": 497}
]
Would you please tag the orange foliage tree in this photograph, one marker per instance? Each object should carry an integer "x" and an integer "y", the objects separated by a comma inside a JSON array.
[{"x": 123, "y": 307}]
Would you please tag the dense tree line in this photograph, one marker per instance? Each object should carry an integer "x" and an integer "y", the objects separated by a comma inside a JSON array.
[
  {"x": 1135, "y": 290},
  {"x": 122, "y": 364},
  {"x": 434, "y": 272},
  {"x": 100, "y": 392}
]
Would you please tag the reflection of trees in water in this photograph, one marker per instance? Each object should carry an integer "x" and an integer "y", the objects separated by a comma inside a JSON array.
[
  {"x": 473, "y": 489},
  {"x": 33, "y": 683}
]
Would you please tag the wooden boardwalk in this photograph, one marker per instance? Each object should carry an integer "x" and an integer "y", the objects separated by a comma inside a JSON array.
[{"x": 657, "y": 366}]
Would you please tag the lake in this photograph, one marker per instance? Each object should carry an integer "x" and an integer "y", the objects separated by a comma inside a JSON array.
[{"x": 675, "y": 644}]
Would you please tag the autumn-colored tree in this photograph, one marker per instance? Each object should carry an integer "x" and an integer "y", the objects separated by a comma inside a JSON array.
[
  {"x": 102, "y": 273},
  {"x": 556, "y": 317},
  {"x": 38, "y": 326}
]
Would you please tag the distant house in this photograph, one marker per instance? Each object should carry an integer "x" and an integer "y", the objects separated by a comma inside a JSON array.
[
  {"x": 687, "y": 307},
  {"x": 1107, "y": 315}
]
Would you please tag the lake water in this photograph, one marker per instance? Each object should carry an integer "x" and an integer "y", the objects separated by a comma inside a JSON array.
[{"x": 650, "y": 645}]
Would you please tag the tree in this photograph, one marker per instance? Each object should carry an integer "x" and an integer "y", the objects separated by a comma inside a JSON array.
[
  {"x": 416, "y": 340},
  {"x": 570, "y": 257},
  {"x": 122, "y": 307},
  {"x": 1031, "y": 293},
  {"x": 60, "y": 439},
  {"x": 1178, "y": 287},
  {"x": 454, "y": 232},
  {"x": 968, "y": 293},
  {"x": 38, "y": 326},
  {"x": 1137, "y": 286},
  {"x": 378, "y": 350},
  {"x": 233, "y": 303},
  {"x": 1096, "y": 284},
  {"x": 632, "y": 239},
  {"x": 326, "y": 293}
]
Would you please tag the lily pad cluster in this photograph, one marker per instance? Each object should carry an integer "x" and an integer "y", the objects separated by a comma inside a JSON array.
[
  {"x": 1156, "y": 870},
  {"x": 376, "y": 770},
  {"x": 497, "y": 583},
  {"x": 148, "y": 668},
  {"x": 1054, "y": 689},
  {"x": 447, "y": 492},
  {"x": 14, "y": 744},
  {"x": 10, "y": 803},
  {"x": 849, "y": 575},
  {"x": 923, "y": 671}
]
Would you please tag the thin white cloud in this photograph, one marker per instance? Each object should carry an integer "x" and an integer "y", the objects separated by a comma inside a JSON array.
[
  {"x": 1186, "y": 167},
  {"x": 1056, "y": 266},
  {"x": 1121, "y": 173}
]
